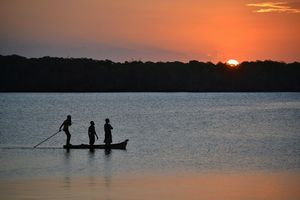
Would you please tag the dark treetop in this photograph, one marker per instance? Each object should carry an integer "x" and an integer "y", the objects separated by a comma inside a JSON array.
[{"x": 51, "y": 74}]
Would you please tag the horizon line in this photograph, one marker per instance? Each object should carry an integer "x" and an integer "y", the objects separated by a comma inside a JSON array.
[{"x": 137, "y": 60}]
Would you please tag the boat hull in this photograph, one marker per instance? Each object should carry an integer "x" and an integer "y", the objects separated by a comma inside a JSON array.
[{"x": 121, "y": 145}]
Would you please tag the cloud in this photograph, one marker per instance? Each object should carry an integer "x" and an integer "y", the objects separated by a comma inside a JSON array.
[{"x": 278, "y": 7}]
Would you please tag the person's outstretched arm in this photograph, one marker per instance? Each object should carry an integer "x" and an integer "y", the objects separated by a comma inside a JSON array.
[{"x": 61, "y": 126}]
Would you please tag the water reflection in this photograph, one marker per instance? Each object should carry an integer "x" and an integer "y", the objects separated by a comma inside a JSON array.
[
  {"x": 107, "y": 152},
  {"x": 92, "y": 182},
  {"x": 67, "y": 154},
  {"x": 92, "y": 150},
  {"x": 92, "y": 165},
  {"x": 67, "y": 182},
  {"x": 108, "y": 164},
  {"x": 67, "y": 167},
  {"x": 107, "y": 182},
  {"x": 91, "y": 154}
]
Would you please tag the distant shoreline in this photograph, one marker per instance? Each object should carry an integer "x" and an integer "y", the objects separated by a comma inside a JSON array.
[{"x": 52, "y": 74}]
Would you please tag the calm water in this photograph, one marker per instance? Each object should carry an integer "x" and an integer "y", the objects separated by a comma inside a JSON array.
[{"x": 168, "y": 132}]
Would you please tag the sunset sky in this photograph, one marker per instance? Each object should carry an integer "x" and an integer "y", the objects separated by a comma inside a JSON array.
[{"x": 156, "y": 30}]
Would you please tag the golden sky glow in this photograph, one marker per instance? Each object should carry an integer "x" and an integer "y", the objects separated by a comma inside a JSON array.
[
  {"x": 212, "y": 30},
  {"x": 280, "y": 7}
]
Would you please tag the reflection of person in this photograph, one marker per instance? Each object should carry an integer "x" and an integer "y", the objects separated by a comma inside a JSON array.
[
  {"x": 65, "y": 126},
  {"x": 92, "y": 133},
  {"x": 107, "y": 130}
]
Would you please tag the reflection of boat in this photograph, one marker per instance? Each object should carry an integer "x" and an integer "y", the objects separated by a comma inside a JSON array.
[{"x": 121, "y": 145}]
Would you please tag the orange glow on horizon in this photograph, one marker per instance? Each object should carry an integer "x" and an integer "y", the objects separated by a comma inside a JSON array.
[
  {"x": 157, "y": 31},
  {"x": 232, "y": 63}
]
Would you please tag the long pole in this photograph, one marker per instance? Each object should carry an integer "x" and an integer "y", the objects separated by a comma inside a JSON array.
[{"x": 46, "y": 139}]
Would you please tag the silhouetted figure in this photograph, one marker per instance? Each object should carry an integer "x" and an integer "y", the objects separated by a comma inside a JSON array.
[
  {"x": 65, "y": 126},
  {"x": 92, "y": 133},
  {"x": 107, "y": 130}
]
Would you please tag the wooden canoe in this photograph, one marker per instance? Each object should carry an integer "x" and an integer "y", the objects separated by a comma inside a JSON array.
[{"x": 121, "y": 145}]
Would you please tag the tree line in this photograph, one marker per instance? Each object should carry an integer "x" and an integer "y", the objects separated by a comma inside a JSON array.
[{"x": 52, "y": 74}]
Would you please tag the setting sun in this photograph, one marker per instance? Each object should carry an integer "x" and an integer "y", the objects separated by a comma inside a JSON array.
[{"x": 232, "y": 63}]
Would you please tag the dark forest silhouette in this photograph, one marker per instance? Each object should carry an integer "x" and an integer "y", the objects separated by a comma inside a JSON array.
[{"x": 51, "y": 74}]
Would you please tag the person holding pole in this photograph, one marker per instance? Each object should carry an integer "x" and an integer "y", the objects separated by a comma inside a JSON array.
[{"x": 65, "y": 125}]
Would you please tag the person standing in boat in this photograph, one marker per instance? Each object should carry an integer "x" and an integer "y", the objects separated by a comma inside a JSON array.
[
  {"x": 92, "y": 133},
  {"x": 65, "y": 125},
  {"x": 107, "y": 130}
]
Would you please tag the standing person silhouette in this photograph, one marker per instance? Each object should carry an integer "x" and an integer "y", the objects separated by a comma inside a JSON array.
[
  {"x": 92, "y": 133},
  {"x": 65, "y": 125},
  {"x": 107, "y": 130}
]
